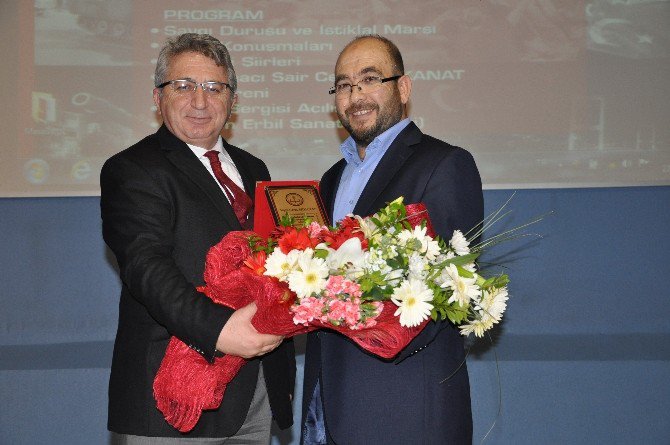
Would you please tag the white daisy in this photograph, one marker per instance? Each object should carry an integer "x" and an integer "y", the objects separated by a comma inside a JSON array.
[
  {"x": 464, "y": 289},
  {"x": 309, "y": 277},
  {"x": 413, "y": 300},
  {"x": 281, "y": 265},
  {"x": 431, "y": 248},
  {"x": 477, "y": 326},
  {"x": 493, "y": 303},
  {"x": 458, "y": 242},
  {"x": 428, "y": 246},
  {"x": 404, "y": 236},
  {"x": 470, "y": 267}
]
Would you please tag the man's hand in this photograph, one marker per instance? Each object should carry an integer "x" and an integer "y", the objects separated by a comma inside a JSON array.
[{"x": 239, "y": 337}]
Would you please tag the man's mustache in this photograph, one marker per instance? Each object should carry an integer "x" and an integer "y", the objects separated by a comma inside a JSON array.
[{"x": 360, "y": 107}]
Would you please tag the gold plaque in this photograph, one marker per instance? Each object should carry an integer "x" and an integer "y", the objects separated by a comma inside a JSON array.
[{"x": 300, "y": 202}]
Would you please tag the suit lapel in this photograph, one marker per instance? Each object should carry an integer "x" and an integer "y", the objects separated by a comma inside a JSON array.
[
  {"x": 184, "y": 160},
  {"x": 329, "y": 185},
  {"x": 392, "y": 161}
]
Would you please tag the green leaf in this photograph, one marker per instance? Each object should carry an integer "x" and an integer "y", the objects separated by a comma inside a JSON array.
[
  {"x": 376, "y": 294},
  {"x": 460, "y": 260},
  {"x": 497, "y": 281},
  {"x": 457, "y": 314},
  {"x": 286, "y": 220}
]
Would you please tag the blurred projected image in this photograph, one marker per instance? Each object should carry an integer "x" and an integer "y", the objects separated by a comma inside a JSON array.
[
  {"x": 71, "y": 135},
  {"x": 83, "y": 32},
  {"x": 543, "y": 93},
  {"x": 633, "y": 29}
]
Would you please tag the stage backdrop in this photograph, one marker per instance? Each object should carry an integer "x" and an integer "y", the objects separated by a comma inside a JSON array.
[{"x": 543, "y": 92}]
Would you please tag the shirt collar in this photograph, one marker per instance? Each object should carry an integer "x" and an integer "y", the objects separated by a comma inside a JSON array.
[
  {"x": 381, "y": 142},
  {"x": 200, "y": 152}
]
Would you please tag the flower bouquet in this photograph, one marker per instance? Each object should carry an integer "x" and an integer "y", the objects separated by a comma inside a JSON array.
[{"x": 378, "y": 280}]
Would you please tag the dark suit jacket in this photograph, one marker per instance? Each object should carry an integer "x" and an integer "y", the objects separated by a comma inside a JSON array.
[
  {"x": 161, "y": 212},
  {"x": 368, "y": 400}
]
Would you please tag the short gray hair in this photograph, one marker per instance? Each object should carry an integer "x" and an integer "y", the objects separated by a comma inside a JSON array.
[{"x": 203, "y": 44}]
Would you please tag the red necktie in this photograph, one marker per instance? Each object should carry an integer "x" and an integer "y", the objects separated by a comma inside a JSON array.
[{"x": 240, "y": 201}]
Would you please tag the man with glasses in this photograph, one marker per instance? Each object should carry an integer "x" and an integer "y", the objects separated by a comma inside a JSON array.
[
  {"x": 165, "y": 201},
  {"x": 422, "y": 396}
]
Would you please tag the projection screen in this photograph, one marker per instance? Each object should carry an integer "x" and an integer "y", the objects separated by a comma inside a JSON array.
[{"x": 544, "y": 93}]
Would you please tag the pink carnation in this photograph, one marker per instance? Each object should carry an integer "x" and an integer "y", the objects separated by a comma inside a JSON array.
[
  {"x": 334, "y": 285},
  {"x": 314, "y": 229},
  {"x": 353, "y": 289},
  {"x": 310, "y": 308},
  {"x": 344, "y": 310},
  {"x": 338, "y": 285},
  {"x": 371, "y": 320}
]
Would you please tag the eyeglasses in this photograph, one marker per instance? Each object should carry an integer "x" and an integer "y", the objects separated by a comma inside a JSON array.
[
  {"x": 185, "y": 86},
  {"x": 367, "y": 84}
]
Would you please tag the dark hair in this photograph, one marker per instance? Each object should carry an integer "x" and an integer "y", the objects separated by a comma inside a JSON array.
[
  {"x": 203, "y": 44},
  {"x": 391, "y": 48}
]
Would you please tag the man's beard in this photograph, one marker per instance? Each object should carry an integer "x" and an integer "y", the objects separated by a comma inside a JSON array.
[{"x": 363, "y": 137}]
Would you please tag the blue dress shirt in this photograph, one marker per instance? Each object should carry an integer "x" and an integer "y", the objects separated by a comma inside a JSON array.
[
  {"x": 357, "y": 172},
  {"x": 355, "y": 176}
]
